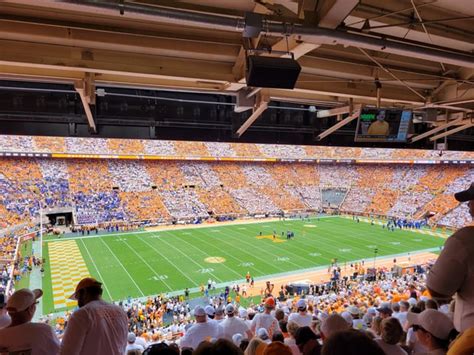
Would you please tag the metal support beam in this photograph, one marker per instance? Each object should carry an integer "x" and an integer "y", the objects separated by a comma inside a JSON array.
[
  {"x": 338, "y": 125},
  {"x": 452, "y": 131},
  {"x": 389, "y": 72},
  {"x": 82, "y": 90},
  {"x": 334, "y": 111},
  {"x": 258, "y": 110},
  {"x": 436, "y": 130}
]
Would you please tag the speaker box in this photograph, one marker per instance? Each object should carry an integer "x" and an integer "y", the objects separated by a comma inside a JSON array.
[{"x": 272, "y": 72}]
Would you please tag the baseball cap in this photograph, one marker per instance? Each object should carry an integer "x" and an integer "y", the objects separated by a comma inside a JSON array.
[
  {"x": 131, "y": 337},
  {"x": 243, "y": 313},
  {"x": 301, "y": 304},
  {"x": 220, "y": 310},
  {"x": 22, "y": 299},
  {"x": 333, "y": 323},
  {"x": 353, "y": 310},
  {"x": 229, "y": 308},
  {"x": 385, "y": 308},
  {"x": 433, "y": 321},
  {"x": 270, "y": 302},
  {"x": 85, "y": 283},
  {"x": 199, "y": 311},
  {"x": 347, "y": 317},
  {"x": 210, "y": 311},
  {"x": 237, "y": 339},
  {"x": 262, "y": 333},
  {"x": 465, "y": 195}
]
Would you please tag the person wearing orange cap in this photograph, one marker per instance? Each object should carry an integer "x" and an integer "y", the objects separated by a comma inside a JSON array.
[
  {"x": 97, "y": 327},
  {"x": 266, "y": 320}
]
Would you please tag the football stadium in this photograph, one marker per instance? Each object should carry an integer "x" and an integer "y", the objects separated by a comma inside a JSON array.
[{"x": 237, "y": 177}]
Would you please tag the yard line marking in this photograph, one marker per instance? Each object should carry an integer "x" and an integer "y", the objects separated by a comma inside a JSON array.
[
  {"x": 169, "y": 261},
  {"x": 273, "y": 255},
  {"x": 123, "y": 267},
  {"x": 200, "y": 266},
  {"x": 235, "y": 272},
  {"x": 98, "y": 272},
  {"x": 146, "y": 263},
  {"x": 253, "y": 255}
]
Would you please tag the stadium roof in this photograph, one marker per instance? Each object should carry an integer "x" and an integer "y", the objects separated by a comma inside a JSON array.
[{"x": 176, "y": 69}]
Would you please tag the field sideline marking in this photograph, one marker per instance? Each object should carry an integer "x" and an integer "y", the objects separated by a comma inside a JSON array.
[
  {"x": 175, "y": 229},
  {"x": 98, "y": 272},
  {"x": 146, "y": 263},
  {"x": 130, "y": 276},
  {"x": 169, "y": 261}
]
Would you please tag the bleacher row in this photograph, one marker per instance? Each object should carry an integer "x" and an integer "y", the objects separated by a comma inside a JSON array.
[
  {"x": 101, "y": 190},
  {"x": 73, "y": 145}
]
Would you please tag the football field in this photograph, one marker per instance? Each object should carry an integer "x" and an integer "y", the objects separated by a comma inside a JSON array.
[{"x": 148, "y": 263}]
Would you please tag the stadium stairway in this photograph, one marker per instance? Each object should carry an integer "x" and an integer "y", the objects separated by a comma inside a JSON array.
[{"x": 36, "y": 280}]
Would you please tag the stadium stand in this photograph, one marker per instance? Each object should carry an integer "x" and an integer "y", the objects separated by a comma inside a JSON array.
[
  {"x": 124, "y": 146},
  {"x": 49, "y": 144}
]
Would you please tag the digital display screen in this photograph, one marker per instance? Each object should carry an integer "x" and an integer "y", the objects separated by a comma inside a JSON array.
[{"x": 383, "y": 125}]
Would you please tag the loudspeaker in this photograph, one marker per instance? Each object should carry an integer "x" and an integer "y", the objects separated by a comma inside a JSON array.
[{"x": 272, "y": 72}]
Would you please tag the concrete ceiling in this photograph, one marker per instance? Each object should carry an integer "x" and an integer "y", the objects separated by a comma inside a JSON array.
[{"x": 92, "y": 42}]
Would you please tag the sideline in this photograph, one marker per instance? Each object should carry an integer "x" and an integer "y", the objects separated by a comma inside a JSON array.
[{"x": 152, "y": 230}]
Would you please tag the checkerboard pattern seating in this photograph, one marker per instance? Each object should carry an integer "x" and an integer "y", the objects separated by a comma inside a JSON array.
[{"x": 67, "y": 269}]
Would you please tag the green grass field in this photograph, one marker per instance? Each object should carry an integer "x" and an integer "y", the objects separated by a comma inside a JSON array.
[{"x": 142, "y": 264}]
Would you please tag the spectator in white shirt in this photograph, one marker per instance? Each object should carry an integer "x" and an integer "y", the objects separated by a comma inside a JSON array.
[
  {"x": 201, "y": 330},
  {"x": 232, "y": 325},
  {"x": 131, "y": 343},
  {"x": 266, "y": 320},
  {"x": 23, "y": 336},
  {"x": 97, "y": 327},
  {"x": 302, "y": 318}
]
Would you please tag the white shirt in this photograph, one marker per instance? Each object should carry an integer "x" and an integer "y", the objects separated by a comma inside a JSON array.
[
  {"x": 390, "y": 349},
  {"x": 97, "y": 328},
  {"x": 453, "y": 274},
  {"x": 267, "y": 321},
  {"x": 402, "y": 317},
  {"x": 232, "y": 325},
  {"x": 301, "y": 320},
  {"x": 37, "y": 337},
  {"x": 199, "y": 332},
  {"x": 133, "y": 346}
]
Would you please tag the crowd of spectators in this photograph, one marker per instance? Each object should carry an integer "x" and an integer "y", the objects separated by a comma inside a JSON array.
[
  {"x": 391, "y": 314},
  {"x": 253, "y": 201},
  {"x": 220, "y": 149},
  {"x": 107, "y": 190},
  {"x": 184, "y": 204}
]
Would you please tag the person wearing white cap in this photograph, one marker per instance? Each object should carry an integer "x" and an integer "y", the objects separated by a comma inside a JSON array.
[
  {"x": 131, "y": 338},
  {"x": 23, "y": 336},
  {"x": 433, "y": 329},
  {"x": 232, "y": 325},
  {"x": 200, "y": 331},
  {"x": 302, "y": 318},
  {"x": 97, "y": 327},
  {"x": 452, "y": 273}
]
